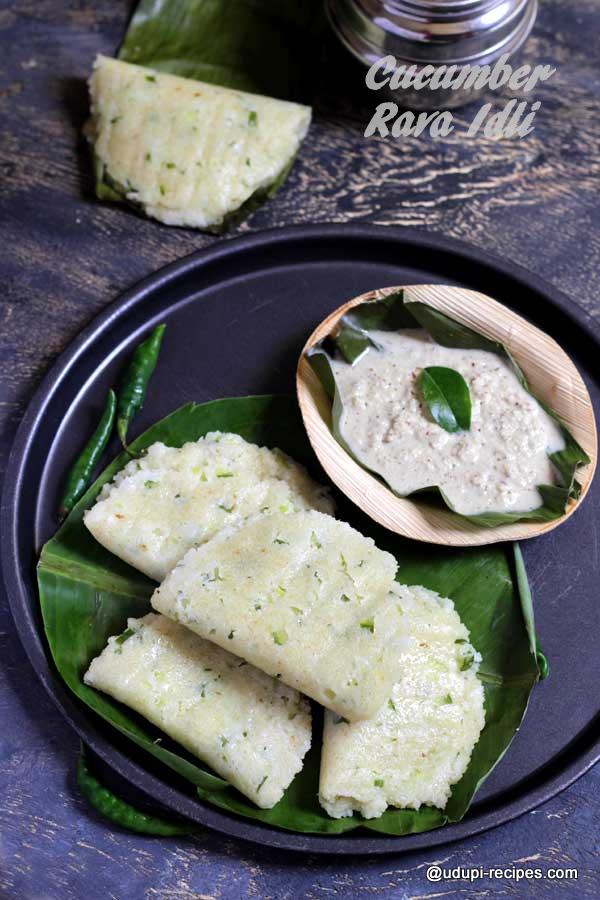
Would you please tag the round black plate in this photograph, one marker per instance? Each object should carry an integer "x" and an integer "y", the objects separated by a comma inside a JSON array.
[{"x": 238, "y": 315}]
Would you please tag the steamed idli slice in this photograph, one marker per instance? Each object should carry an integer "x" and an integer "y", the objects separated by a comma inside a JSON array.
[
  {"x": 188, "y": 152},
  {"x": 169, "y": 500},
  {"x": 301, "y": 596},
  {"x": 420, "y": 742},
  {"x": 251, "y": 729}
]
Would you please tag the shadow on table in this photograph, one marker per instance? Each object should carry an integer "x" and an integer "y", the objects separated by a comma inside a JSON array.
[{"x": 73, "y": 94}]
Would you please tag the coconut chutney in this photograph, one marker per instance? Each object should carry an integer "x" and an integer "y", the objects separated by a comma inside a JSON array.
[
  {"x": 420, "y": 742},
  {"x": 495, "y": 466}
]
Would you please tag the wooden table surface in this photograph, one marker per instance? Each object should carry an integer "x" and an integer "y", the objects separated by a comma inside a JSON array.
[{"x": 65, "y": 256}]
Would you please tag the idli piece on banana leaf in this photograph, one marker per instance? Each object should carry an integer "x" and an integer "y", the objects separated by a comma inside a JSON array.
[
  {"x": 301, "y": 596},
  {"x": 184, "y": 151},
  {"x": 251, "y": 729},
  {"x": 420, "y": 742},
  {"x": 171, "y": 499}
]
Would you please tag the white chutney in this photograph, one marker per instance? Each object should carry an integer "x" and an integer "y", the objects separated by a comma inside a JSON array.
[{"x": 495, "y": 466}]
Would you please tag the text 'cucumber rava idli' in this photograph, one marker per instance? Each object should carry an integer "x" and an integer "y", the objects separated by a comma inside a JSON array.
[
  {"x": 301, "y": 596},
  {"x": 171, "y": 499},
  {"x": 188, "y": 152},
  {"x": 251, "y": 729},
  {"x": 420, "y": 742}
]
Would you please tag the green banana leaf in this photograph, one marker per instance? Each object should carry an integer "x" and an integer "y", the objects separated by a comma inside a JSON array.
[
  {"x": 262, "y": 46},
  {"x": 87, "y": 594},
  {"x": 394, "y": 312}
]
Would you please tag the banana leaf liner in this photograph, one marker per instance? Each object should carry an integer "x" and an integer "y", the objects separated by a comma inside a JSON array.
[
  {"x": 261, "y": 46},
  {"x": 87, "y": 595},
  {"x": 395, "y": 312}
]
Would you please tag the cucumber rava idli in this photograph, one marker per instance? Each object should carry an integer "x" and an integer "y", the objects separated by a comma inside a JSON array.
[
  {"x": 171, "y": 499},
  {"x": 420, "y": 742},
  {"x": 251, "y": 729},
  {"x": 189, "y": 153},
  {"x": 301, "y": 596}
]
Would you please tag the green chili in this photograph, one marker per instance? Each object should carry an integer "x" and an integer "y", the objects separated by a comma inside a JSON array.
[
  {"x": 83, "y": 468},
  {"x": 121, "y": 813},
  {"x": 135, "y": 381},
  {"x": 542, "y": 661}
]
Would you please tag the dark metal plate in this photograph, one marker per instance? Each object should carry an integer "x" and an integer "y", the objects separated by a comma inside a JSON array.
[{"x": 238, "y": 315}]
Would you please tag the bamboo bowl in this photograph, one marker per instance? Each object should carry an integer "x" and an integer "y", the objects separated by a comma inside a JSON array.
[{"x": 552, "y": 377}]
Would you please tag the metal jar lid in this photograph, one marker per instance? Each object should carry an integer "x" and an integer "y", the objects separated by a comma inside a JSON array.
[{"x": 432, "y": 32}]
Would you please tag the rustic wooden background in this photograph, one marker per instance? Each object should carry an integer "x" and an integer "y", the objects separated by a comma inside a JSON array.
[{"x": 64, "y": 256}]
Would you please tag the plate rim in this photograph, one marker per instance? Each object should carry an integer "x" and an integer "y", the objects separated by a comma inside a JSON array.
[{"x": 32, "y": 639}]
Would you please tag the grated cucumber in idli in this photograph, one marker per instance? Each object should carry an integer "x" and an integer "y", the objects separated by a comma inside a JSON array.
[
  {"x": 171, "y": 499},
  {"x": 420, "y": 742},
  {"x": 251, "y": 729},
  {"x": 188, "y": 152},
  {"x": 301, "y": 596}
]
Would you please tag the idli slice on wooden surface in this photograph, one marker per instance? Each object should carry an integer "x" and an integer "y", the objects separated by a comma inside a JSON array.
[
  {"x": 420, "y": 742},
  {"x": 187, "y": 152},
  {"x": 251, "y": 729},
  {"x": 171, "y": 499},
  {"x": 301, "y": 596}
]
